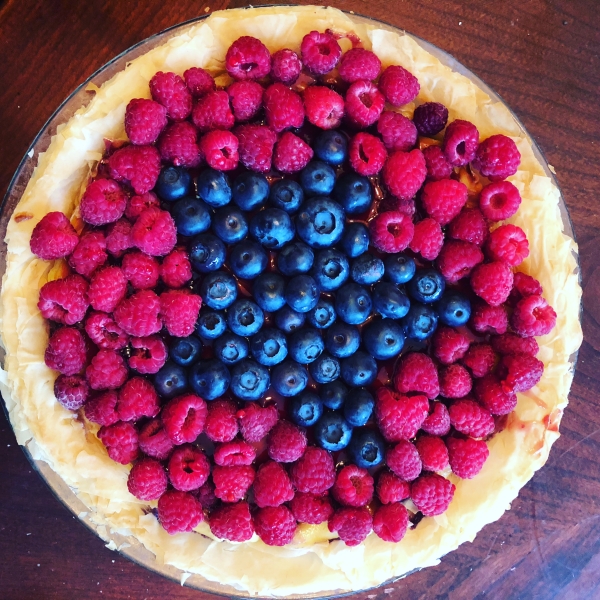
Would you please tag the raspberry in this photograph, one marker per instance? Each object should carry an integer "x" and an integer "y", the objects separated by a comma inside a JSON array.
[
  {"x": 137, "y": 398},
  {"x": 141, "y": 270},
  {"x": 406, "y": 207},
  {"x": 246, "y": 99},
  {"x": 89, "y": 254},
  {"x": 232, "y": 522},
  {"x": 179, "y": 310},
  {"x": 121, "y": 442},
  {"x": 179, "y": 511},
  {"x": 364, "y": 103},
  {"x": 139, "y": 166},
  {"x": 272, "y": 486},
  {"x": 138, "y": 204},
  {"x": 367, "y": 154},
  {"x": 417, "y": 373},
  {"x": 526, "y": 285},
  {"x": 256, "y": 147},
  {"x": 232, "y": 483},
  {"x": 102, "y": 409},
  {"x": 469, "y": 226},
  {"x": 433, "y": 453},
  {"x": 138, "y": 314},
  {"x": 438, "y": 420},
  {"x": 480, "y": 358},
  {"x": 466, "y": 456},
  {"x": 234, "y": 453},
  {"x": 285, "y": 66},
  {"x": 198, "y": 81},
  {"x": 391, "y": 489},
  {"x": 438, "y": 167},
  {"x": 103, "y": 202},
  {"x": 460, "y": 142},
  {"x": 107, "y": 288},
  {"x": 488, "y": 319},
  {"x": 171, "y": 91},
  {"x": 399, "y": 417},
  {"x": 53, "y": 237},
  {"x": 221, "y": 423},
  {"x": 64, "y": 300},
  {"x": 206, "y": 495},
  {"x": 449, "y": 345},
  {"x": 353, "y": 525},
  {"x": 523, "y": 371},
  {"x": 455, "y": 381},
  {"x": 398, "y": 85},
  {"x": 404, "y": 173},
  {"x": 320, "y": 52},
  {"x": 444, "y": 199},
  {"x": 493, "y": 396},
  {"x": 291, "y": 153},
  {"x": 323, "y": 107},
  {"x": 147, "y": 480},
  {"x": 154, "y": 440},
  {"x": 118, "y": 237},
  {"x": 497, "y": 157},
  {"x": 404, "y": 461},
  {"x": 499, "y": 200},
  {"x": 533, "y": 316},
  {"x": 179, "y": 145},
  {"x": 314, "y": 473},
  {"x": 183, "y": 418},
  {"x": 308, "y": 508},
  {"x": 511, "y": 343},
  {"x": 468, "y": 417},
  {"x": 66, "y": 351},
  {"x": 391, "y": 231},
  {"x": 286, "y": 442},
  {"x": 396, "y": 131},
  {"x": 359, "y": 63},
  {"x": 432, "y": 494},
  {"x": 353, "y": 486},
  {"x": 275, "y": 525},
  {"x": 71, "y": 391},
  {"x": 144, "y": 120},
  {"x": 220, "y": 149},
  {"x": 107, "y": 371},
  {"x": 213, "y": 112},
  {"x": 248, "y": 58},
  {"x": 154, "y": 232},
  {"x": 427, "y": 239},
  {"x": 256, "y": 421},
  {"x": 509, "y": 244},
  {"x": 188, "y": 468},
  {"x": 149, "y": 354},
  {"x": 390, "y": 522},
  {"x": 492, "y": 282},
  {"x": 430, "y": 118},
  {"x": 283, "y": 107},
  {"x": 176, "y": 269}
]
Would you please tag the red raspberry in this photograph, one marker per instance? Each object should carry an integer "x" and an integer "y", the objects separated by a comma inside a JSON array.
[
  {"x": 511, "y": 343},
  {"x": 118, "y": 236},
  {"x": 308, "y": 508},
  {"x": 430, "y": 118},
  {"x": 406, "y": 207},
  {"x": 404, "y": 173},
  {"x": 390, "y": 522},
  {"x": 137, "y": 399},
  {"x": 353, "y": 525},
  {"x": 286, "y": 442},
  {"x": 179, "y": 310},
  {"x": 285, "y": 66},
  {"x": 147, "y": 480},
  {"x": 353, "y": 486},
  {"x": 206, "y": 495},
  {"x": 359, "y": 63},
  {"x": 144, "y": 120},
  {"x": 391, "y": 231},
  {"x": 89, "y": 254},
  {"x": 492, "y": 282},
  {"x": 438, "y": 167},
  {"x": 509, "y": 244},
  {"x": 291, "y": 153},
  {"x": 232, "y": 522},
  {"x": 460, "y": 142},
  {"x": 139, "y": 166},
  {"x": 428, "y": 239},
  {"x": 404, "y": 461},
  {"x": 364, "y": 103},
  {"x": 323, "y": 107},
  {"x": 176, "y": 269},
  {"x": 396, "y": 131},
  {"x": 221, "y": 423},
  {"x": 494, "y": 396},
  {"x": 417, "y": 373},
  {"x": 455, "y": 381},
  {"x": 138, "y": 314},
  {"x": 480, "y": 358},
  {"x": 53, "y": 237},
  {"x": 171, "y": 91},
  {"x": 66, "y": 351},
  {"x": 470, "y": 418},
  {"x": 488, "y": 319},
  {"x": 246, "y": 99},
  {"x": 497, "y": 157},
  {"x": 314, "y": 473},
  {"x": 232, "y": 483},
  {"x": 234, "y": 453},
  {"x": 248, "y": 58},
  {"x": 449, "y": 345},
  {"x": 138, "y": 204},
  {"x": 179, "y": 512},
  {"x": 523, "y": 371},
  {"x": 141, "y": 270},
  {"x": 367, "y": 154},
  {"x": 526, "y": 285},
  {"x": 275, "y": 525},
  {"x": 102, "y": 409},
  {"x": 467, "y": 456},
  {"x": 183, "y": 418},
  {"x": 433, "y": 452},
  {"x": 103, "y": 202},
  {"x": 107, "y": 371},
  {"x": 179, "y": 145},
  {"x": 154, "y": 232},
  {"x": 444, "y": 199},
  {"x": 256, "y": 421},
  {"x": 107, "y": 288},
  {"x": 399, "y": 417},
  {"x": 499, "y": 200},
  {"x": 469, "y": 226},
  {"x": 283, "y": 107},
  {"x": 320, "y": 52},
  {"x": 272, "y": 486},
  {"x": 213, "y": 112},
  {"x": 398, "y": 85},
  {"x": 64, "y": 300},
  {"x": 533, "y": 316},
  {"x": 220, "y": 149},
  {"x": 121, "y": 442},
  {"x": 256, "y": 147},
  {"x": 438, "y": 421},
  {"x": 199, "y": 81},
  {"x": 154, "y": 440},
  {"x": 71, "y": 391},
  {"x": 188, "y": 468},
  {"x": 432, "y": 494},
  {"x": 391, "y": 489}
]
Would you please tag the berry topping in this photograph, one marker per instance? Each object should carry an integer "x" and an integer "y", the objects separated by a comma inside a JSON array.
[
  {"x": 314, "y": 472},
  {"x": 508, "y": 243},
  {"x": 367, "y": 154},
  {"x": 234, "y": 453},
  {"x": 286, "y": 443},
  {"x": 221, "y": 423},
  {"x": 470, "y": 418},
  {"x": 107, "y": 288},
  {"x": 71, "y": 391},
  {"x": 220, "y": 149},
  {"x": 121, "y": 442},
  {"x": 179, "y": 310},
  {"x": 460, "y": 142},
  {"x": 404, "y": 460},
  {"x": 213, "y": 112},
  {"x": 104, "y": 332},
  {"x": 324, "y": 107},
  {"x": 154, "y": 232},
  {"x": 89, "y": 254},
  {"x": 511, "y": 343},
  {"x": 430, "y": 118},
  {"x": 320, "y": 52},
  {"x": 433, "y": 453},
  {"x": 64, "y": 300},
  {"x": 138, "y": 166},
  {"x": 398, "y": 85},
  {"x": 390, "y": 522},
  {"x": 103, "y": 202},
  {"x": 404, "y": 173},
  {"x": 438, "y": 420},
  {"x": 353, "y": 486},
  {"x": 154, "y": 440},
  {"x": 481, "y": 359},
  {"x": 499, "y": 200},
  {"x": 457, "y": 259},
  {"x": 198, "y": 81},
  {"x": 137, "y": 399},
  {"x": 469, "y": 226},
  {"x": 285, "y": 66},
  {"x": 391, "y": 231},
  {"x": 397, "y": 131},
  {"x": 137, "y": 204},
  {"x": 437, "y": 166},
  {"x": 364, "y": 103},
  {"x": 183, "y": 418},
  {"x": 138, "y": 314},
  {"x": 488, "y": 319},
  {"x": 432, "y": 494},
  {"x": 497, "y": 157},
  {"x": 147, "y": 480},
  {"x": 494, "y": 396},
  {"x": 179, "y": 511},
  {"x": 283, "y": 108},
  {"x": 171, "y": 91},
  {"x": 248, "y": 58},
  {"x": 246, "y": 99},
  {"x": 526, "y": 285},
  {"x": 455, "y": 381},
  {"x": 118, "y": 236},
  {"x": 232, "y": 483},
  {"x": 272, "y": 486},
  {"x": 466, "y": 456},
  {"x": 523, "y": 371},
  {"x": 533, "y": 316},
  {"x": 179, "y": 145},
  {"x": 256, "y": 144},
  {"x": 428, "y": 239},
  {"x": 291, "y": 153},
  {"x": 53, "y": 237},
  {"x": 275, "y": 525},
  {"x": 416, "y": 373},
  {"x": 444, "y": 199},
  {"x": 449, "y": 345},
  {"x": 353, "y": 525},
  {"x": 66, "y": 351},
  {"x": 176, "y": 270},
  {"x": 232, "y": 522},
  {"x": 310, "y": 508},
  {"x": 107, "y": 371},
  {"x": 391, "y": 489},
  {"x": 359, "y": 63},
  {"x": 144, "y": 120},
  {"x": 492, "y": 282},
  {"x": 188, "y": 468},
  {"x": 399, "y": 417}
]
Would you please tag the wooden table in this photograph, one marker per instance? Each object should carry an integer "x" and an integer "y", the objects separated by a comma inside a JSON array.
[{"x": 542, "y": 57}]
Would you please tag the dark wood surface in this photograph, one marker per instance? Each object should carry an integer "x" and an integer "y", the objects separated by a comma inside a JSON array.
[{"x": 542, "y": 57}]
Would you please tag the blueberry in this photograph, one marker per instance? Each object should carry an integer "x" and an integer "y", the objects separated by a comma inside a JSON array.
[
  {"x": 302, "y": 293},
  {"x": 173, "y": 183},
  {"x": 250, "y": 190},
  {"x": 317, "y": 179},
  {"x": 383, "y": 338},
  {"x": 358, "y": 407},
  {"x": 248, "y": 259},
  {"x": 230, "y": 348},
  {"x": 295, "y": 258},
  {"x": 229, "y": 224},
  {"x": 289, "y": 378},
  {"x": 332, "y": 432},
  {"x": 207, "y": 252},
  {"x": 454, "y": 309},
  {"x": 390, "y": 301},
  {"x": 359, "y": 369},
  {"x": 426, "y": 286},
  {"x": 305, "y": 409},
  {"x": 171, "y": 380},
  {"x": 325, "y": 369},
  {"x": 219, "y": 290},
  {"x": 288, "y": 320},
  {"x": 286, "y": 195},
  {"x": 333, "y": 394},
  {"x": 367, "y": 448},
  {"x": 330, "y": 269},
  {"x": 191, "y": 216},
  {"x": 331, "y": 146},
  {"x": 399, "y": 268},
  {"x": 244, "y": 317},
  {"x": 353, "y": 192},
  {"x": 355, "y": 239},
  {"x": 272, "y": 227},
  {"x": 353, "y": 303},
  {"x": 306, "y": 345},
  {"x": 213, "y": 187},
  {"x": 268, "y": 347},
  {"x": 320, "y": 222},
  {"x": 209, "y": 379},
  {"x": 342, "y": 340},
  {"x": 367, "y": 269},
  {"x": 184, "y": 351},
  {"x": 322, "y": 315},
  {"x": 420, "y": 322},
  {"x": 249, "y": 380},
  {"x": 268, "y": 291},
  {"x": 211, "y": 324}
]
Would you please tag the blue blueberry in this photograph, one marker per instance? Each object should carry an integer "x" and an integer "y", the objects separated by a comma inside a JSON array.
[
  {"x": 209, "y": 379},
  {"x": 325, "y": 369},
  {"x": 229, "y": 224},
  {"x": 248, "y": 259},
  {"x": 306, "y": 345},
  {"x": 333, "y": 394},
  {"x": 399, "y": 268},
  {"x": 353, "y": 192},
  {"x": 302, "y": 293},
  {"x": 330, "y": 269},
  {"x": 272, "y": 227},
  {"x": 173, "y": 183},
  {"x": 317, "y": 179},
  {"x": 171, "y": 380},
  {"x": 268, "y": 291},
  {"x": 383, "y": 338},
  {"x": 358, "y": 407},
  {"x": 320, "y": 222},
  {"x": 184, "y": 351},
  {"x": 249, "y": 380},
  {"x": 305, "y": 409},
  {"x": 426, "y": 286},
  {"x": 268, "y": 347},
  {"x": 211, "y": 324},
  {"x": 322, "y": 315},
  {"x": 390, "y": 301},
  {"x": 295, "y": 258},
  {"x": 191, "y": 216},
  {"x": 331, "y": 146},
  {"x": 213, "y": 187},
  {"x": 207, "y": 252},
  {"x": 353, "y": 303},
  {"x": 230, "y": 348},
  {"x": 367, "y": 269},
  {"x": 250, "y": 190},
  {"x": 289, "y": 378},
  {"x": 332, "y": 432},
  {"x": 287, "y": 195},
  {"x": 288, "y": 320},
  {"x": 342, "y": 340},
  {"x": 360, "y": 369},
  {"x": 245, "y": 317},
  {"x": 454, "y": 309},
  {"x": 420, "y": 322},
  {"x": 219, "y": 290},
  {"x": 367, "y": 448},
  {"x": 355, "y": 239}
]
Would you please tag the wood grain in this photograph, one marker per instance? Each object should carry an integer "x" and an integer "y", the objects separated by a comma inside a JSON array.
[{"x": 543, "y": 58}]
